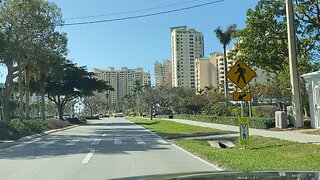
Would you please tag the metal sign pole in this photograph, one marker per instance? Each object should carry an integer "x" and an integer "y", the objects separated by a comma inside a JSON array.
[
  {"x": 249, "y": 103},
  {"x": 242, "y": 110}
]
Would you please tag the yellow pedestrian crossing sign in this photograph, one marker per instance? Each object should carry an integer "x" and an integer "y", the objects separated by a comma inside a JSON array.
[
  {"x": 241, "y": 74},
  {"x": 244, "y": 131},
  {"x": 241, "y": 96}
]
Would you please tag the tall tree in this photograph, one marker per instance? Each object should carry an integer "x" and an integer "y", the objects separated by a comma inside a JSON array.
[
  {"x": 49, "y": 57},
  {"x": 263, "y": 42},
  {"x": 27, "y": 24},
  {"x": 225, "y": 38},
  {"x": 76, "y": 82}
]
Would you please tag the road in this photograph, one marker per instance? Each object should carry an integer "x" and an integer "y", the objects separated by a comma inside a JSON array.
[{"x": 110, "y": 148}]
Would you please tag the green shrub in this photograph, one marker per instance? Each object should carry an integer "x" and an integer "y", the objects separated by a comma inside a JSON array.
[
  {"x": 16, "y": 129},
  {"x": 57, "y": 124},
  {"x": 256, "y": 122},
  {"x": 7, "y": 132},
  {"x": 21, "y": 128},
  {"x": 92, "y": 117},
  {"x": 76, "y": 120},
  {"x": 36, "y": 126},
  {"x": 264, "y": 111}
]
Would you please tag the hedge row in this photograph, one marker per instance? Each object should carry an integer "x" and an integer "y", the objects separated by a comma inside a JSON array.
[
  {"x": 15, "y": 129},
  {"x": 256, "y": 122}
]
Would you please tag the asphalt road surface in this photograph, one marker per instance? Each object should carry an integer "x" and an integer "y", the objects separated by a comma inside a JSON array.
[{"x": 110, "y": 148}]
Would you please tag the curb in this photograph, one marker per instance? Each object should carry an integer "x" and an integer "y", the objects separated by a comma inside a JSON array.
[{"x": 7, "y": 144}]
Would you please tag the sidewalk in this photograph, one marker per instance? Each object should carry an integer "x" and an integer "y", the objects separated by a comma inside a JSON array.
[{"x": 296, "y": 136}]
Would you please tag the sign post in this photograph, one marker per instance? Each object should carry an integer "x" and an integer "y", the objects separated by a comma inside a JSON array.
[
  {"x": 241, "y": 74},
  {"x": 244, "y": 131}
]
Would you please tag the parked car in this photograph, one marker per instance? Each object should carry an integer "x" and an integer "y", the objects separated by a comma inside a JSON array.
[
  {"x": 170, "y": 114},
  {"x": 118, "y": 115}
]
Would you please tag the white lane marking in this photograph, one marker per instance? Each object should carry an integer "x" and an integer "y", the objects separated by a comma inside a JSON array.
[
  {"x": 25, "y": 143},
  {"x": 73, "y": 142},
  {"x": 212, "y": 165},
  {"x": 103, "y": 135},
  {"x": 29, "y": 142},
  {"x": 139, "y": 140},
  {"x": 88, "y": 157},
  {"x": 161, "y": 141},
  {"x": 95, "y": 141},
  {"x": 117, "y": 141},
  {"x": 197, "y": 157},
  {"x": 49, "y": 143}
]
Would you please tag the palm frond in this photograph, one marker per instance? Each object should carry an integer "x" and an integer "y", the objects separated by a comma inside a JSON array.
[
  {"x": 225, "y": 36},
  {"x": 220, "y": 35}
]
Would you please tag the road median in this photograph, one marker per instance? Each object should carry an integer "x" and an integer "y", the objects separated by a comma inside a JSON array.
[{"x": 263, "y": 153}]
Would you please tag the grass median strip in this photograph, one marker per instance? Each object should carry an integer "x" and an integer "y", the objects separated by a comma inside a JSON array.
[
  {"x": 315, "y": 132},
  {"x": 262, "y": 154},
  {"x": 171, "y": 130}
]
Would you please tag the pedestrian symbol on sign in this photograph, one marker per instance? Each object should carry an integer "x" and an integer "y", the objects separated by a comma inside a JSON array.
[
  {"x": 244, "y": 131},
  {"x": 241, "y": 71},
  {"x": 240, "y": 74}
]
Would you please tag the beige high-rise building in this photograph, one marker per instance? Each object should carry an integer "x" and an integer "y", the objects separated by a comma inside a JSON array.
[
  {"x": 186, "y": 46},
  {"x": 220, "y": 65},
  {"x": 163, "y": 73},
  {"x": 210, "y": 72},
  {"x": 123, "y": 80},
  {"x": 206, "y": 73}
]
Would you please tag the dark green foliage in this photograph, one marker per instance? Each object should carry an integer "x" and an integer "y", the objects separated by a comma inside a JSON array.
[
  {"x": 264, "y": 111},
  {"x": 76, "y": 120},
  {"x": 75, "y": 82},
  {"x": 7, "y": 131},
  {"x": 57, "y": 124},
  {"x": 16, "y": 129},
  {"x": 92, "y": 117},
  {"x": 256, "y": 122}
]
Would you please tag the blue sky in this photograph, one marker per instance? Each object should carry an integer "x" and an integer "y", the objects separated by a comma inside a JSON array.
[{"x": 140, "y": 42}]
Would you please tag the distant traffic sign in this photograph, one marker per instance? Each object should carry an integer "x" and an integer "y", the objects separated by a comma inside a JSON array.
[
  {"x": 241, "y": 96},
  {"x": 241, "y": 74},
  {"x": 244, "y": 131}
]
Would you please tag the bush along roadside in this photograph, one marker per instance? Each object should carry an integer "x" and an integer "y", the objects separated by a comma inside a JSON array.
[
  {"x": 256, "y": 122},
  {"x": 15, "y": 129},
  {"x": 76, "y": 120}
]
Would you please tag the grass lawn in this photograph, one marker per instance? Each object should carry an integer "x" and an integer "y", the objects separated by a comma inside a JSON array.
[
  {"x": 316, "y": 132},
  {"x": 262, "y": 154},
  {"x": 171, "y": 130}
]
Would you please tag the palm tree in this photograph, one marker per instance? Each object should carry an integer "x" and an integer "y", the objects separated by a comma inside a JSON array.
[{"x": 225, "y": 38}]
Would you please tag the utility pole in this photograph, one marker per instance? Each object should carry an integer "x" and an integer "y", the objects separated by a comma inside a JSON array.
[{"x": 294, "y": 75}]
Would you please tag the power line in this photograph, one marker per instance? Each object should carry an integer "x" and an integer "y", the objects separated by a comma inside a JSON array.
[
  {"x": 141, "y": 16},
  {"x": 130, "y": 12}
]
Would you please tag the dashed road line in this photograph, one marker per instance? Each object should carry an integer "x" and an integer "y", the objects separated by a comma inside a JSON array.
[
  {"x": 139, "y": 140},
  {"x": 73, "y": 142},
  {"x": 103, "y": 135},
  {"x": 95, "y": 141},
  {"x": 88, "y": 157},
  {"x": 117, "y": 141},
  {"x": 49, "y": 143}
]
